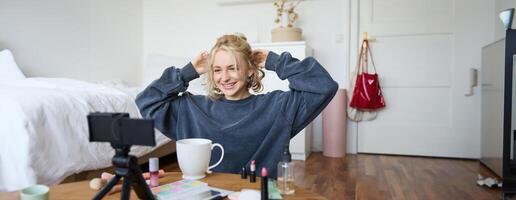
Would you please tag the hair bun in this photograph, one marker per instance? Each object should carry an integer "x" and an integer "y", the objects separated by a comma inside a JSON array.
[{"x": 241, "y": 35}]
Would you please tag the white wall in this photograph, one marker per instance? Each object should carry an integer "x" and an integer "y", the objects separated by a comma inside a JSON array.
[
  {"x": 83, "y": 39},
  {"x": 473, "y": 30},
  {"x": 184, "y": 28},
  {"x": 98, "y": 40}
]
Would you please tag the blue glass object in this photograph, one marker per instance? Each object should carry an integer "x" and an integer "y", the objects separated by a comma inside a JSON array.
[{"x": 506, "y": 16}]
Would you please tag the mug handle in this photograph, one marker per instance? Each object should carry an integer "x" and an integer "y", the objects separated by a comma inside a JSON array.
[{"x": 221, "y": 157}]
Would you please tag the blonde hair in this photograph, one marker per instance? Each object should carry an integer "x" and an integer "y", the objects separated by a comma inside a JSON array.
[{"x": 241, "y": 50}]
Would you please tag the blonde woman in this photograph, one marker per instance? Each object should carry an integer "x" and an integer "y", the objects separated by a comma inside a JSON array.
[{"x": 250, "y": 127}]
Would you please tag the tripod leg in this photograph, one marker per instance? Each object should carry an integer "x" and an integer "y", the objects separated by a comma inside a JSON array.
[
  {"x": 140, "y": 186},
  {"x": 107, "y": 188},
  {"x": 126, "y": 187}
]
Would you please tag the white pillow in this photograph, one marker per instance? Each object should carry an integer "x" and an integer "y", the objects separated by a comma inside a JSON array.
[{"x": 8, "y": 68}]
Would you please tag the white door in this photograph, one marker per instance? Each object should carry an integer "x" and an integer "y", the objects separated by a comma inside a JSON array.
[{"x": 423, "y": 50}]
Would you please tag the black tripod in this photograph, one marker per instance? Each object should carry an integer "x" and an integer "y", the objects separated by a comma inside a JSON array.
[{"x": 127, "y": 167}]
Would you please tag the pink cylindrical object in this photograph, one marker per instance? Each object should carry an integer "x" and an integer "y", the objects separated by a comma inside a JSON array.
[
  {"x": 154, "y": 172},
  {"x": 334, "y": 126}
]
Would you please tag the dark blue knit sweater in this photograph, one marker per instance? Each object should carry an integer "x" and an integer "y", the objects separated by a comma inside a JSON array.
[{"x": 254, "y": 128}]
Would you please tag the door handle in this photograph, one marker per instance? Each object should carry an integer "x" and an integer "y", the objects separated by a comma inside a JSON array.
[{"x": 473, "y": 81}]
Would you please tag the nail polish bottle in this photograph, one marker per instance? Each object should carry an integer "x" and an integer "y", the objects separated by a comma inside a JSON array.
[
  {"x": 243, "y": 173},
  {"x": 252, "y": 174},
  {"x": 154, "y": 172}
]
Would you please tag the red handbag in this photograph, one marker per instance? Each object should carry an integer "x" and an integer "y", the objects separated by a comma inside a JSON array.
[{"x": 367, "y": 93}]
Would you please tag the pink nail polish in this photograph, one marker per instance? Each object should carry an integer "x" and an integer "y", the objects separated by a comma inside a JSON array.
[{"x": 154, "y": 172}]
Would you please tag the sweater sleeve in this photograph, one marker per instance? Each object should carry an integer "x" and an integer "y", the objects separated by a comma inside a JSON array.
[
  {"x": 160, "y": 100},
  {"x": 311, "y": 88}
]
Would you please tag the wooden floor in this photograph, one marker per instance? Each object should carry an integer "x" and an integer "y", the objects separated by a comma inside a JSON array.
[{"x": 370, "y": 177}]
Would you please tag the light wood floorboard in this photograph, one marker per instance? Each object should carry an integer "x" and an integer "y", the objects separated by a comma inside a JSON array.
[{"x": 367, "y": 176}]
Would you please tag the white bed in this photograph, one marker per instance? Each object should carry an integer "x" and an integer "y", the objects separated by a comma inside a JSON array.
[{"x": 43, "y": 129}]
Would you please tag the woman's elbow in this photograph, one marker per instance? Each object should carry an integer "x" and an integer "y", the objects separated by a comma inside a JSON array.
[{"x": 331, "y": 88}]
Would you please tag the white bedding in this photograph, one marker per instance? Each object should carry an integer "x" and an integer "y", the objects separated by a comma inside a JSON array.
[{"x": 44, "y": 133}]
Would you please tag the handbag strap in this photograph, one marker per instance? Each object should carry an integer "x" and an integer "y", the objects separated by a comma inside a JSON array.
[
  {"x": 360, "y": 60},
  {"x": 371, "y": 55}
]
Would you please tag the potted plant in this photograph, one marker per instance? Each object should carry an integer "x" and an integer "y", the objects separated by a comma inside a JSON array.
[{"x": 285, "y": 19}]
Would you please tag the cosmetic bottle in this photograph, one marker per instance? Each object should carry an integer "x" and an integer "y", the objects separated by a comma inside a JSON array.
[
  {"x": 243, "y": 173},
  {"x": 252, "y": 173},
  {"x": 264, "y": 183},
  {"x": 154, "y": 172},
  {"x": 285, "y": 181}
]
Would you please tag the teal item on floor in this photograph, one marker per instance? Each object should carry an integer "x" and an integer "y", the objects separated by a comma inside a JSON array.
[{"x": 273, "y": 190}]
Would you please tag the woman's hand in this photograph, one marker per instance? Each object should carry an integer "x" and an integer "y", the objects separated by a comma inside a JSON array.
[
  {"x": 200, "y": 63},
  {"x": 259, "y": 57}
]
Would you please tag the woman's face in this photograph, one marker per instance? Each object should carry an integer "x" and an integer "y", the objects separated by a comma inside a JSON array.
[{"x": 228, "y": 77}]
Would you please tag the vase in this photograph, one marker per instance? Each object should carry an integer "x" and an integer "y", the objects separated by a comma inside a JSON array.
[{"x": 286, "y": 34}]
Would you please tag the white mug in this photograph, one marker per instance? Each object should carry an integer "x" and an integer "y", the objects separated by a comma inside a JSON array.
[{"x": 193, "y": 156}]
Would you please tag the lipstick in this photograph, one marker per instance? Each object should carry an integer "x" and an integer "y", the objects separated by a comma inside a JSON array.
[
  {"x": 243, "y": 173},
  {"x": 264, "y": 183},
  {"x": 252, "y": 174}
]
